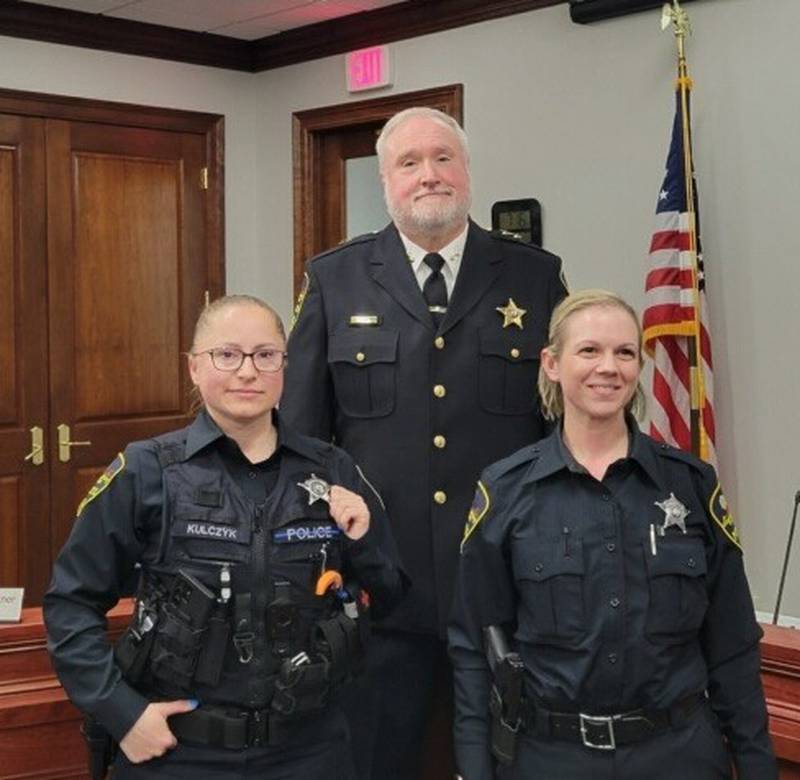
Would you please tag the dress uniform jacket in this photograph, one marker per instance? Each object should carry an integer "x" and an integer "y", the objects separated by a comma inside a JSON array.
[
  {"x": 422, "y": 410},
  {"x": 155, "y": 515},
  {"x": 622, "y": 594}
]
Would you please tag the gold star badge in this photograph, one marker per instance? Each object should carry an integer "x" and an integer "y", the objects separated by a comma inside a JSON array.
[{"x": 512, "y": 314}]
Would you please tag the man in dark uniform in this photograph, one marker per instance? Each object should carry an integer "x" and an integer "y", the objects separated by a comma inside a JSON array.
[
  {"x": 251, "y": 568},
  {"x": 416, "y": 349}
]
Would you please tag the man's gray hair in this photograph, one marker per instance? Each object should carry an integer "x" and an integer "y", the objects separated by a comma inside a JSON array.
[{"x": 419, "y": 111}]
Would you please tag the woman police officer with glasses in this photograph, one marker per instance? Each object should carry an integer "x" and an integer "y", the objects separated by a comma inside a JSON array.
[
  {"x": 257, "y": 551},
  {"x": 613, "y": 562}
]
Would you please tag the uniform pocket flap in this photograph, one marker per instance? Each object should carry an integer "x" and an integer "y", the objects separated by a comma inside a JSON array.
[
  {"x": 507, "y": 344},
  {"x": 541, "y": 561},
  {"x": 677, "y": 556},
  {"x": 363, "y": 348}
]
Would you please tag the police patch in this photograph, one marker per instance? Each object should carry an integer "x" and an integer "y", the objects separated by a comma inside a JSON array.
[
  {"x": 294, "y": 534},
  {"x": 301, "y": 299},
  {"x": 720, "y": 511},
  {"x": 105, "y": 479},
  {"x": 479, "y": 508}
]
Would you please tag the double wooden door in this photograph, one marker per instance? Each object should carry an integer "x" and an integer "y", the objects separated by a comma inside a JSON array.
[{"x": 107, "y": 252}]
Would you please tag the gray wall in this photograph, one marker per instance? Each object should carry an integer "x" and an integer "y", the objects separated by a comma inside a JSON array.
[{"x": 579, "y": 117}]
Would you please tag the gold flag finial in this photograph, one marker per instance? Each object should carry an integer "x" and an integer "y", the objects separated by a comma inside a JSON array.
[{"x": 673, "y": 14}]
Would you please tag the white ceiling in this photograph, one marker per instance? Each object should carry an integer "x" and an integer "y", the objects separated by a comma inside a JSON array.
[{"x": 245, "y": 19}]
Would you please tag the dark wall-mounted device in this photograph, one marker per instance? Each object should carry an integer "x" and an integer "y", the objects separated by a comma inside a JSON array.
[
  {"x": 522, "y": 217},
  {"x": 584, "y": 11}
]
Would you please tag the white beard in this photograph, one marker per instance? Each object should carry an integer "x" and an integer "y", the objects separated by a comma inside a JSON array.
[{"x": 430, "y": 216}]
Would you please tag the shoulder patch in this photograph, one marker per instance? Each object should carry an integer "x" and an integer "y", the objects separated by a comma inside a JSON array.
[
  {"x": 480, "y": 506},
  {"x": 106, "y": 478},
  {"x": 720, "y": 511},
  {"x": 301, "y": 298}
]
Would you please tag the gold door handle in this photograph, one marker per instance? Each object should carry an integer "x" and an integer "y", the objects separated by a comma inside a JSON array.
[
  {"x": 36, "y": 455},
  {"x": 64, "y": 444}
]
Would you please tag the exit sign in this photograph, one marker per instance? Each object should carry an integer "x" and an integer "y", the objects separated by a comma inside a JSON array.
[{"x": 368, "y": 69}]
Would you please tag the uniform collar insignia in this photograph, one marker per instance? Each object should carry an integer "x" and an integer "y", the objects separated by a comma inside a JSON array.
[
  {"x": 674, "y": 514},
  {"x": 512, "y": 314},
  {"x": 317, "y": 489}
]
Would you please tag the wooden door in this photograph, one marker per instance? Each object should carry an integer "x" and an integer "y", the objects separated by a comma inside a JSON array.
[
  {"x": 128, "y": 272},
  {"x": 337, "y": 146},
  {"x": 24, "y": 512}
]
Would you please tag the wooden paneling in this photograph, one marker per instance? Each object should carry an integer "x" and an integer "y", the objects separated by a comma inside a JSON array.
[
  {"x": 780, "y": 671},
  {"x": 39, "y": 728}
]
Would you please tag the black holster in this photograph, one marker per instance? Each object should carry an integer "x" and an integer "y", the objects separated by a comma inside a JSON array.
[
  {"x": 100, "y": 746},
  {"x": 505, "y": 696}
]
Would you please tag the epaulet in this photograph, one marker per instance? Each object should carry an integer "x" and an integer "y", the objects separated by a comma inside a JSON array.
[
  {"x": 523, "y": 457},
  {"x": 507, "y": 235},
  {"x": 362, "y": 239},
  {"x": 170, "y": 447},
  {"x": 518, "y": 240},
  {"x": 668, "y": 451}
]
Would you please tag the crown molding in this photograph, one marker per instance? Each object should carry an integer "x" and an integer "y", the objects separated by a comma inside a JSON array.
[{"x": 409, "y": 19}]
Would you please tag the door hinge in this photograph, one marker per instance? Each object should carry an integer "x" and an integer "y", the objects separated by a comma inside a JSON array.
[{"x": 204, "y": 178}]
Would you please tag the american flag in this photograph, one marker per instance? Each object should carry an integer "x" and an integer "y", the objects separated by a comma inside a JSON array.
[{"x": 675, "y": 320}]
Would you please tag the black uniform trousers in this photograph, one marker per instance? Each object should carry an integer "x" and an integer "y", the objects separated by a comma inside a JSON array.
[{"x": 407, "y": 685}]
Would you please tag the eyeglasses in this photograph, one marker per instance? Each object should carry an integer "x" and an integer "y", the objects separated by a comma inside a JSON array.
[{"x": 231, "y": 359}]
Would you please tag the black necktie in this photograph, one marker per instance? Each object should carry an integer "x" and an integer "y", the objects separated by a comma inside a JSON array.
[{"x": 435, "y": 290}]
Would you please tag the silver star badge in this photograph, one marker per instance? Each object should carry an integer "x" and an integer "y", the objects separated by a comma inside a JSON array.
[
  {"x": 674, "y": 514},
  {"x": 318, "y": 489}
]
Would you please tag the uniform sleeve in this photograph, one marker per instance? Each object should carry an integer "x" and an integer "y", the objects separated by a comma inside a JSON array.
[
  {"x": 92, "y": 571},
  {"x": 307, "y": 400},
  {"x": 484, "y": 597},
  {"x": 730, "y": 639},
  {"x": 373, "y": 560}
]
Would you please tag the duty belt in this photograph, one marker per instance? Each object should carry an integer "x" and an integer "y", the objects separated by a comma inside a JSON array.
[
  {"x": 607, "y": 732},
  {"x": 222, "y": 727}
]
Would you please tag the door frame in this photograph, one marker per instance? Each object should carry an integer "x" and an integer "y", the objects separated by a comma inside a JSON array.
[{"x": 309, "y": 126}]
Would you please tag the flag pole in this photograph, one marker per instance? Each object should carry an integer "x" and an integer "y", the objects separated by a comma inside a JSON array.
[{"x": 675, "y": 15}]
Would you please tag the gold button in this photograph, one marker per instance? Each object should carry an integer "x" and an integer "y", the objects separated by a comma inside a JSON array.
[
  {"x": 438, "y": 342},
  {"x": 439, "y": 391},
  {"x": 439, "y": 441},
  {"x": 514, "y": 353},
  {"x": 360, "y": 357},
  {"x": 440, "y": 497}
]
